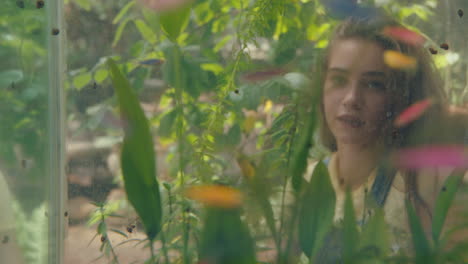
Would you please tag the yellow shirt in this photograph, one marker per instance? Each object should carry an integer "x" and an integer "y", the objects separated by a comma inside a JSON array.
[{"x": 7, "y": 221}]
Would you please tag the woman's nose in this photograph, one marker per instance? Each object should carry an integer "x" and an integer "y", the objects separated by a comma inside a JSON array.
[{"x": 353, "y": 97}]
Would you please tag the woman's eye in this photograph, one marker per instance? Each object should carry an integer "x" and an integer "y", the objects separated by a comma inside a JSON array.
[
  {"x": 376, "y": 85},
  {"x": 337, "y": 80}
]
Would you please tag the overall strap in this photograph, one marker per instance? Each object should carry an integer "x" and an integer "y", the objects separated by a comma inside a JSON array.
[{"x": 382, "y": 184}]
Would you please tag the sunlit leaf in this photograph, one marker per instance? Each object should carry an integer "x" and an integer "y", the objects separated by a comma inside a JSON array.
[
  {"x": 138, "y": 157},
  {"x": 82, "y": 80},
  {"x": 397, "y": 60},
  {"x": 215, "y": 196},
  {"x": 443, "y": 203},
  {"x": 404, "y": 35},
  {"x": 413, "y": 112},
  {"x": 375, "y": 233},
  {"x": 317, "y": 208},
  {"x": 432, "y": 156}
]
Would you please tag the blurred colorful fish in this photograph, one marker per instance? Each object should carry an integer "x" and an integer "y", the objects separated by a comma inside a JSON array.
[
  {"x": 151, "y": 62},
  {"x": 215, "y": 196},
  {"x": 413, "y": 112},
  {"x": 263, "y": 75},
  {"x": 432, "y": 156},
  {"x": 444, "y": 46},
  {"x": 404, "y": 35},
  {"x": 165, "y": 5},
  {"x": 397, "y": 60}
]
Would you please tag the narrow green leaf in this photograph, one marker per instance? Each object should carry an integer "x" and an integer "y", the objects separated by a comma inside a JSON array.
[
  {"x": 443, "y": 203},
  {"x": 119, "y": 232},
  {"x": 300, "y": 156},
  {"x": 174, "y": 22},
  {"x": 119, "y": 31},
  {"x": 145, "y": 31},
  {"x": 350, "y": 231},
  {"x": 317, "y": 208},
  {"x": 420, "y": 243},
  {"x": 122, "y": 12},
  {"x": 138, "y": 157},
  {"x": 225, "y": 238},
  {"x": 375, "y": 233}
]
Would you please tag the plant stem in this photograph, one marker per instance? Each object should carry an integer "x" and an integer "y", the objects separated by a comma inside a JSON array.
[{"x": 285, "y": 183}]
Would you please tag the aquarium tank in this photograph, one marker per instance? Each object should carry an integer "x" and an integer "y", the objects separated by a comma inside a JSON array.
[{"x": 233, "y": 131}]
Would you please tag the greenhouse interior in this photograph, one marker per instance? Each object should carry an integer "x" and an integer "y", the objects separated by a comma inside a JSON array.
[{"x": 233, "y": 131}]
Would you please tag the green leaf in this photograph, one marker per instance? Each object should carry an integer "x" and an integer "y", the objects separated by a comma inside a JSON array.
[
  {"x": 375, "y": 233},
  {"x": 102, "y": 228},
  {"x": 443, "y": 203},
  {"x": 300, "y": 156},
  {"x": 145, "y": 31},
  {"x": 101, "y": 75},
  {"x": 81, "y": 80},
  {"x": 119, "y": 232},
  {"x": 317, "y": 208},
  {"x": 225, "y": 238},
  {"x": 8, "y": 77},
  {"x": 350, "y": 231},
  {"x": 420, "y": 243},
  {"x": 122, "y": 12},
  {"x": 138, "y": 157},
  {"x": 119, "y": 31},
  {"x": 174, "y": 22},
  {"x": 167, "y": 122}
]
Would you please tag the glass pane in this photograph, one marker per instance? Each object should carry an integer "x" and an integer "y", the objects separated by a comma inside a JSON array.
[
  {"x": 31, "y": 180},
  {"x": 209, "y": 101}
]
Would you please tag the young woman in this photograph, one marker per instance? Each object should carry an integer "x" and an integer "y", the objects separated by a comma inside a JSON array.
[{"x": 361, "y": 98}]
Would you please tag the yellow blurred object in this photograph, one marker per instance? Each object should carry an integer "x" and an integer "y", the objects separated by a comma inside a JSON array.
[
  {"x": 249, "y": 123},
  {"x": 268, "y": 106},
  {"x": 215, "y": 196},
  {"x": 397, "y": 60},
  {"x": 246, "y": 166}
]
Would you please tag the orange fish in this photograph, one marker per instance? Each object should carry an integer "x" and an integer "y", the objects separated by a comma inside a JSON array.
[
  {"x": 397, "y": 60},
  {"x": 413, "y": 112},
  {"x": 215, "y": 196}
]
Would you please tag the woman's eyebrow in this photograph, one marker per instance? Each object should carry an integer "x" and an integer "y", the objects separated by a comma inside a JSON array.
[
  {"x": 338, "y": 70},
  {"x": 374, "y": 74}
]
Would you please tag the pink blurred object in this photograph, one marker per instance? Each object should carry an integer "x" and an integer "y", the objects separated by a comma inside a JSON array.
[
  {"x": 164, "y": 5},
  {"x": 404, "y": 35},
  {"x": 413, "y": 112},
  {"x": 432, "y": 156}
]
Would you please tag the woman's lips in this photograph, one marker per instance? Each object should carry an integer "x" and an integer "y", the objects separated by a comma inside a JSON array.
[{"x": 351, "y": 121}]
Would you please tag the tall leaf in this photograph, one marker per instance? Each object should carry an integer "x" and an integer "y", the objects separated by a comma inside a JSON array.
[
  {"x": 138, "y": 157},
  {"x": 443, "y": 203},
  {"x": 420, "y": 243},
  {"x": 350, "y": 231},
  {"x": 375, "y": 235},
  {"x": 225, "y": 238},
  {"x": 174, "y": 22},
  {"x": 317, "y": 208}
]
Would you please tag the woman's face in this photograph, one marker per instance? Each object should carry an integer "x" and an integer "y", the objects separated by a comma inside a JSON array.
[{"x": 355, "y": 97}]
